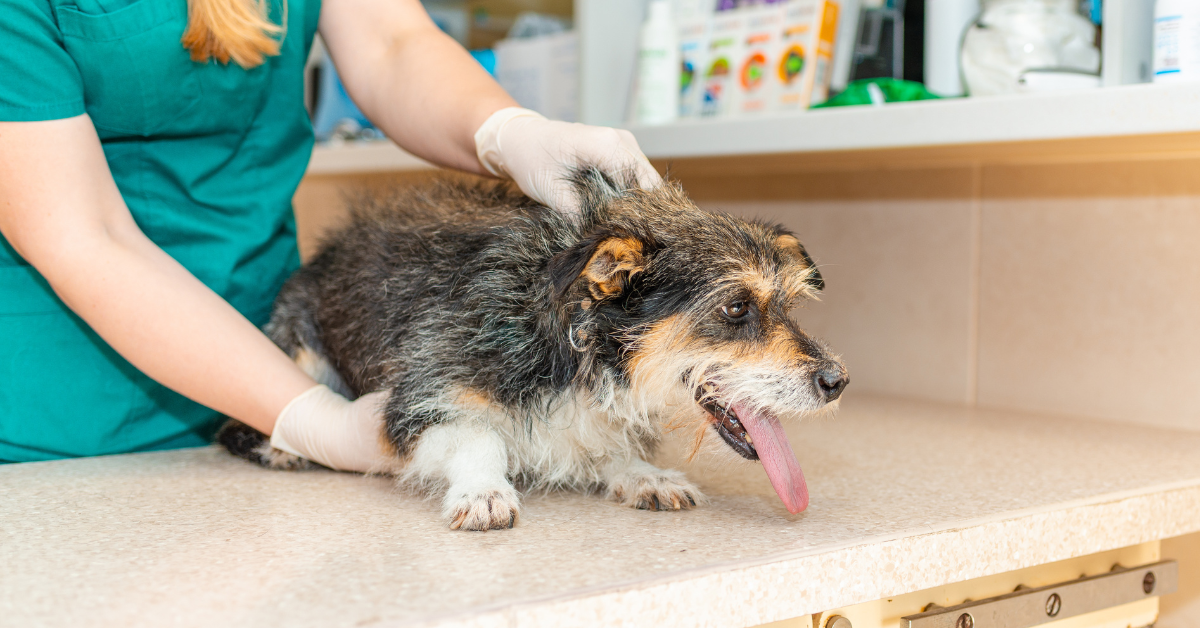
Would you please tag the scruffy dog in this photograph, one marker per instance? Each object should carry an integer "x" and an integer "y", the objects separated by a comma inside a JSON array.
[{"x": 523, "y": 346}]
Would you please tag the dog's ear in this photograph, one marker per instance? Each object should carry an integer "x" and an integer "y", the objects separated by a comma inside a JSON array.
[
  {"x": 606, "y": 262},
  {"x": 791, "y": 244}
]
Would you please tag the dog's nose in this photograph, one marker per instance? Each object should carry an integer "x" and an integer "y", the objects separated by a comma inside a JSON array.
[{"x": 831, "y": 382}]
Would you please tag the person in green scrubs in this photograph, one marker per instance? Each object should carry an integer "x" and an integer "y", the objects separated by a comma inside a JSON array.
[{"x": 145, "y": 208}]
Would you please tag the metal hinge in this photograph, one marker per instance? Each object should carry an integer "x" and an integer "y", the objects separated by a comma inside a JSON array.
[{"x": 1025, "y": 608}]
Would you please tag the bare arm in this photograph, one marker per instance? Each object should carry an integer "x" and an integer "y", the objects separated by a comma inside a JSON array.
[
  {"x": 412, "y": 80},
  {"x": 61, "y": 210}
]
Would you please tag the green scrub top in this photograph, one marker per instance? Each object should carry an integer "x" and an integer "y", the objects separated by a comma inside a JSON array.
[{"x": 207, "y": 157}]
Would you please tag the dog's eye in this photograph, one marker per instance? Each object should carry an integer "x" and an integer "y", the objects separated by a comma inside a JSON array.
[{"x": 735, "y": 311}]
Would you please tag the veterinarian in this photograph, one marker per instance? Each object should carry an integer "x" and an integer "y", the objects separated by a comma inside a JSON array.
[{"x": 149, "y": 151}]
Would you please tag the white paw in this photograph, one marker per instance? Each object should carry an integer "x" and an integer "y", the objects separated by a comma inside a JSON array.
[
  {"x": 488, "y": 509},
  {"x": 660, "y": 489}
]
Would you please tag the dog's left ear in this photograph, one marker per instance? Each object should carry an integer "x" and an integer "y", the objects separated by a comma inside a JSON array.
[
  {"x": 789, "y": 243},
  {"x": 607, "y": 262}
]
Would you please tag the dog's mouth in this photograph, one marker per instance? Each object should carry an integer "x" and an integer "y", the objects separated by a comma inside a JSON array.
[
  {"x": 756, "y": 434},
  {"x": 725, "y": 422}
]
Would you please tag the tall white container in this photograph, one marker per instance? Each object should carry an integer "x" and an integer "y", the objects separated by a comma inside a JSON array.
[
  {"x": 945, "y": 23},
  {"x": 1128, "y": 46},
  {"x": 1176, "y": 41},
  {"x": 658, "y": 67},
  {"x": 849, "y": 12}
]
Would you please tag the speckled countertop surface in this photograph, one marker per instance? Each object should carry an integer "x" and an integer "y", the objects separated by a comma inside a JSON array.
[{"x": 905, "y": 496}]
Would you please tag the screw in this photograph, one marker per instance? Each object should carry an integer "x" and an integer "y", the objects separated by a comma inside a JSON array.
[
  {"x": 1053, "y": 605},
  {"x": 965, "y": 621},
  {"x": 837, "y": 621},
  {"x": 1148, "y": 582}
]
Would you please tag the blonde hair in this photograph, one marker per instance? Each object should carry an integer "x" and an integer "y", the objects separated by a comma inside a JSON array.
[{"x": 232, "y": 29}]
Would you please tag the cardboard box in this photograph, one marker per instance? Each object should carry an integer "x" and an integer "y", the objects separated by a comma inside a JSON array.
[{"x": 804, "y": 67}]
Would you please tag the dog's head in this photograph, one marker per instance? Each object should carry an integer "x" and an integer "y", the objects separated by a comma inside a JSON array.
[{"x": 688, "y": 312}]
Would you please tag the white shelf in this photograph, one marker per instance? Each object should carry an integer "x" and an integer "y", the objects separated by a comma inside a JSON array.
[
  {"x": 363, "y": 158},
  {"x": 1108, "y": 112},
  {"x": 1131, "y": 110}
]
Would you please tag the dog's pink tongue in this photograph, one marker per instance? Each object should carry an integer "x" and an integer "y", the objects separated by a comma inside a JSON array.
[{"x": 777, "y": 458}]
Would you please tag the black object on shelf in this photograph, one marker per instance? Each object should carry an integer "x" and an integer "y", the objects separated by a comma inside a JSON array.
[
  {"x": 914, "y": 41},
  {"x": 879, "y": 46}
]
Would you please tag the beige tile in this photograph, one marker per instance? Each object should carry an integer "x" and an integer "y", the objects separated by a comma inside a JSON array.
[
  {"x": 1182, "y": 608},
  {"x": 1130, "y": 178},
  {"x": 1093, "y": 150},
  {"x": 898, "y": 298},
  {"x": 1092, "y": 307},
  {"x": 759, "y": 180},
  {"x": 320, "y": 201}
]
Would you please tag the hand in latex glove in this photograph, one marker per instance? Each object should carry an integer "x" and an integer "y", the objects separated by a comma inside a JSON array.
[
  {"x": 536, "y": 154},
  {"x": 325, "y": 427}
]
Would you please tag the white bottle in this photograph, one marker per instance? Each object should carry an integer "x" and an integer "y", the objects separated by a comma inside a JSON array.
[
  {"x": 945, "y": 23},
  {"x": 1176, "y": 41},
  {"x": 658, "y": 67}
]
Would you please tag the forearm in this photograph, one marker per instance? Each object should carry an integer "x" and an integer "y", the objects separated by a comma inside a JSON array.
[
  {"x": 62, "y": 212},
  {"x": 413, "y": 81},
  {"x": 173, "y": 328}
]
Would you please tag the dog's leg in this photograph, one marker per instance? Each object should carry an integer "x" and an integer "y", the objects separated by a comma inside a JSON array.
[
  {"x": 636, "y": 483},
  {"x": 472, "y": 460}
]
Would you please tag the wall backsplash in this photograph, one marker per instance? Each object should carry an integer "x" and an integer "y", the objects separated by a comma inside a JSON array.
[{"x": 1069, "y": 286}]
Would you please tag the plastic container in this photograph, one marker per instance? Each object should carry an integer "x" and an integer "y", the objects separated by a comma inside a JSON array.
[
  {"x": 1016, "y": 36},
  {"x": 1176, "y": 41},
  {"x": 945, "y": 23},
  {"x": 658, "y": 67}
]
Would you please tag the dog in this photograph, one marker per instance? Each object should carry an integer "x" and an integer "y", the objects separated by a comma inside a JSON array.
[{"x": 522, "y": 347}]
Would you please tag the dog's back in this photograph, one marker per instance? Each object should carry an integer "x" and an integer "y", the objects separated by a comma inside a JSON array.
[
  {"x": 396, "y": 274},
  {"x": 422, "y": 288}
]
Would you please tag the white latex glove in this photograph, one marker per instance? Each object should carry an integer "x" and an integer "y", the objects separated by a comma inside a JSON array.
[
  {"x": 536, "y": 153},
  {"x": 325, "y": 427}
]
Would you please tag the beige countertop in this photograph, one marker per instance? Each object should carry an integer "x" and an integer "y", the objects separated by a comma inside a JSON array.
[{"x": 905, "y": 496}]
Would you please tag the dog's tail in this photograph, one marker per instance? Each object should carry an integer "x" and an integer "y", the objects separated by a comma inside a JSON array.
[
  {"x": 246, "y": 442},
  {"x": 294, "y": 328}
]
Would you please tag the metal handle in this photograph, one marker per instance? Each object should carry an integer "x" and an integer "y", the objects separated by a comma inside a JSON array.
[{"x": 1026, "y": 608}]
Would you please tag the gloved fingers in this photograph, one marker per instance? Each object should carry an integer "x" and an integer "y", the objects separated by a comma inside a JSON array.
[
  {"x": 616, "y": 152},
  {"x": 566, "y": 200},
  {"x": 372, "y": 404},
  {"x": 323, "y": 426},
  {"x": 645, "y": 174},
  {"x": 538, "y": 154},
  {"x": 552, "y": 189}
]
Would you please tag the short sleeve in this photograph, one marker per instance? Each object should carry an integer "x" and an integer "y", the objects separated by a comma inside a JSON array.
[{"x": 38, "y": 79}]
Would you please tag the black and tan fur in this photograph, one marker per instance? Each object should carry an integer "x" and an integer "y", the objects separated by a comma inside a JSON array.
[{"x": 522, "y": 346}]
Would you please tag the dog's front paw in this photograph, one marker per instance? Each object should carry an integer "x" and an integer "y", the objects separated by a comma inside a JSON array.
[
  {"x": 660, "y": 489},
  {"x": 483, "y": 510}
]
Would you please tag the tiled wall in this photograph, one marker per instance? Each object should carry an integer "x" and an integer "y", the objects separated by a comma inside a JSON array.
[
  {"x": 1182, "y": 608},
  {"x": 1068, "y": 288},
  {"x": 898, "y": 278}
]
